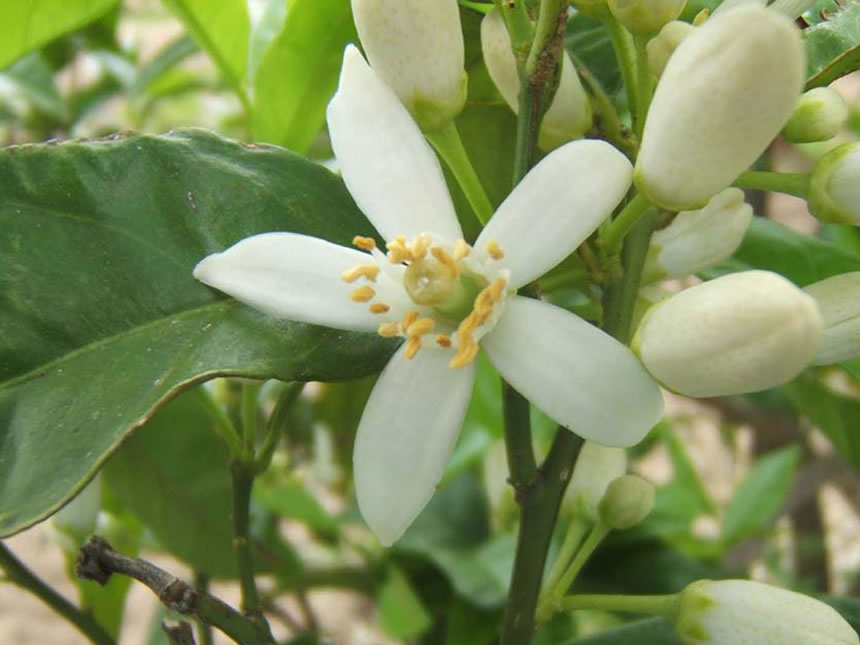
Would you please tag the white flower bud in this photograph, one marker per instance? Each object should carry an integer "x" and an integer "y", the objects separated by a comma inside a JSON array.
[
  {"x": 739, "y": 333},
  {"x": 568, "y": 116},
  {"x": 731, "y": 612},
  {"x": 596, "y": 467},
  {"x": 834, "y": 187},
  {"x": 661, "y": 47},
  {"x": 646, "y": 16},
  {"x": 725, "y": 94},
  {"x": 628, "y": 500},
  {"x": 838, "y": 299},
  {"x": 416, "y": 47},
  {"x": 696, "y": 240},
  {"x": 819, "y": 115}
]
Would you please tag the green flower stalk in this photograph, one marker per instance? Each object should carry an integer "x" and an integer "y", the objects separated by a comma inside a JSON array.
[
  {"x": 739, "y": 333},
  {"x": 726, "y": 92}
]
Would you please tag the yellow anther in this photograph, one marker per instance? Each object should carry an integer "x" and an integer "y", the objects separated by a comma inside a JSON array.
[
  {"x": 420, "y": 327},
  {"x": 408, "y": 318},
  {"x": 388, "y": 330},
  {"x": 494, "y": 250},
  {"x": 412, "y": 347},
  {"x": 461, "y": 249},
  {"x": 379, "y": 308},
  {"x": 466, "y": 353},
  {"x": 443, "y": 341},
  {"x": 419, "y": 246},
  {"x": 362, "y": 294},
  {"x": 369, "y": 271},
  {"x": 497, "y": 288},
  {"x": 443, "y": 257},
  {"x": 467, "y": 326},
  {"x": 364, "y": 243},
  {"x": 397, "y": 251}
]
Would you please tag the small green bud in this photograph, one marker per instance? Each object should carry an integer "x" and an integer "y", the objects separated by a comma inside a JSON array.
[
  {"x": 696, "y": 240},
  {"x": 593, "y": 8},
  {"x": 819, "y": 115},
  {"x": 834, "y": 186},
  {"x": 838, "y": 299},
  {"x": 416, "y": 47},
  {"x": 596, "y": 467},
  {"x": 728, "y": 612},
  {"x": 661, "y": 47},
  {"x": 646, "y": 16},
  {"x": 569, "y": 115},
  {"x": 628, "y": 500},
  {"x": 743, "y": 332}
]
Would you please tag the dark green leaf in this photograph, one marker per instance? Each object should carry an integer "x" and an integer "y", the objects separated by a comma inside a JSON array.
[
  {"x": 588, "y": 40},
  {"x": 834, "y": 413},
  {"x": 174, "y": 474},
  {"x": 401, "y": 613},
  {"x": 298, "y": 73},
  {"x": 653, "y": 631},
  {"x": 801, "y": 258},
  {"x": 833, "y": 46},
  {"x": 470, "y": 625},
  {"x": 29, "y": 24},
  {"x": 100, "y": 318},
  {"x": 292, "y": 502},
  {"x": 848, "y": 607},
  {"x": 760, "y": 496}
]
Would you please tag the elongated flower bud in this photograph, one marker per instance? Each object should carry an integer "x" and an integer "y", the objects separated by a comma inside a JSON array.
[
  {"x": 416, "y": 47},
  {"x": 838, "y": 299},
  {"x": 596, "y": 467},
  {"x": 739, "y": 333},
  {"x": 569, "y": 115},
  {"x": 834, "y": 188},
  {"x": 819, "y": 115},
  {"x": 628, "y": 500},
  {"x": 728, "y": 612},
  {"x": 696, "y": 240},
  {"x": 646, "y": 16},
  {"x": 725, "y": 94},
  {"x": 661, "y": 47}
]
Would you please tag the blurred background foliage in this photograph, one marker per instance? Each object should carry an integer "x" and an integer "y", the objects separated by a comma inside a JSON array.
[{"x": 763, "y": 485}]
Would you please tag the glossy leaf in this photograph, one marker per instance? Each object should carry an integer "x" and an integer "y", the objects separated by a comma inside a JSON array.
[
  {"x": 760, "y": 496},
  {"x": 298, "y": 73},
  {"x": 100, "y": 319},
  {"x": 292, "y": 502},
  {"x": 174, "y": 475},
  {"x": 222, "y": 29},
  {"x": 833, "y": 46},
  {"x": 29, "y": 24}
]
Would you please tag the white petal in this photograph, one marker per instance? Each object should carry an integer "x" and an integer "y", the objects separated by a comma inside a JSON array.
[
  {"x": 556, "y": 207},
  {"x": 580, "y": 376},
  {"x": 297, "y": 277},
  {"x": 406, "y": 434},
  {"x": 389, "y": 168}
]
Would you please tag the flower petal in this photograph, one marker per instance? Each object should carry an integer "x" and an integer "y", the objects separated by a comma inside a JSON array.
[
  {"x": 556, "y": 206},
  {"x": 297, "y": 277},
  {"x": 580, "y": 376},
  {"x": 389, "y": 168},
  {"x": 406, "y": 434}
]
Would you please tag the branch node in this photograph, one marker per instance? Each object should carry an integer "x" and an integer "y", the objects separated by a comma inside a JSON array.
[{"x": 88, "y": 564}]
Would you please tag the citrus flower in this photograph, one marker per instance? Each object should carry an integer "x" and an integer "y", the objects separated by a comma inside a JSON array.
[{"x": 445, "y": 297}]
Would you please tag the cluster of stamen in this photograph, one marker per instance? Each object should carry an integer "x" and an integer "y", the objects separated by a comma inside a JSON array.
[{"x": 418, "y": 330}]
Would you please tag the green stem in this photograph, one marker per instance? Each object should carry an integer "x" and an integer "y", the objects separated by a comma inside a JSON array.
[
  {"x": 519, "y": 26},
  {"x": 576, "y": 530},
  {"x": 249, "y": 419},
  {"x": 243, "y": 483},
  {"x": 19, "y": 574},
  {"x": 620, "y": 296},
  {"x": 665, "y": 606},
  {"x": 791, "y": 183},
  {"x": 275, "y": 425},
  {"x": 223, "y": 425},
  {"x": 546, "y": 46},
  {"x": 644, "y": 83},
  {"x": 623, "y": 222},
  {"x": 204, "y": 630},
  {"x": 540, "y": 504},
  {"x": 566, "y": 579},
  {"x": 448, "y": 144},
  {"x": 624, "y": 52},
  {"x": 518, "y": 440}
]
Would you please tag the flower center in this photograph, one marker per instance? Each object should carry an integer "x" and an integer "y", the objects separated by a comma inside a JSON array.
[{"x": 458, "y": 292}]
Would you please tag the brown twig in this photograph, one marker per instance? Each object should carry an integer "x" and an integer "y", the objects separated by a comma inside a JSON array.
[{"x": 180, "y": 634}]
